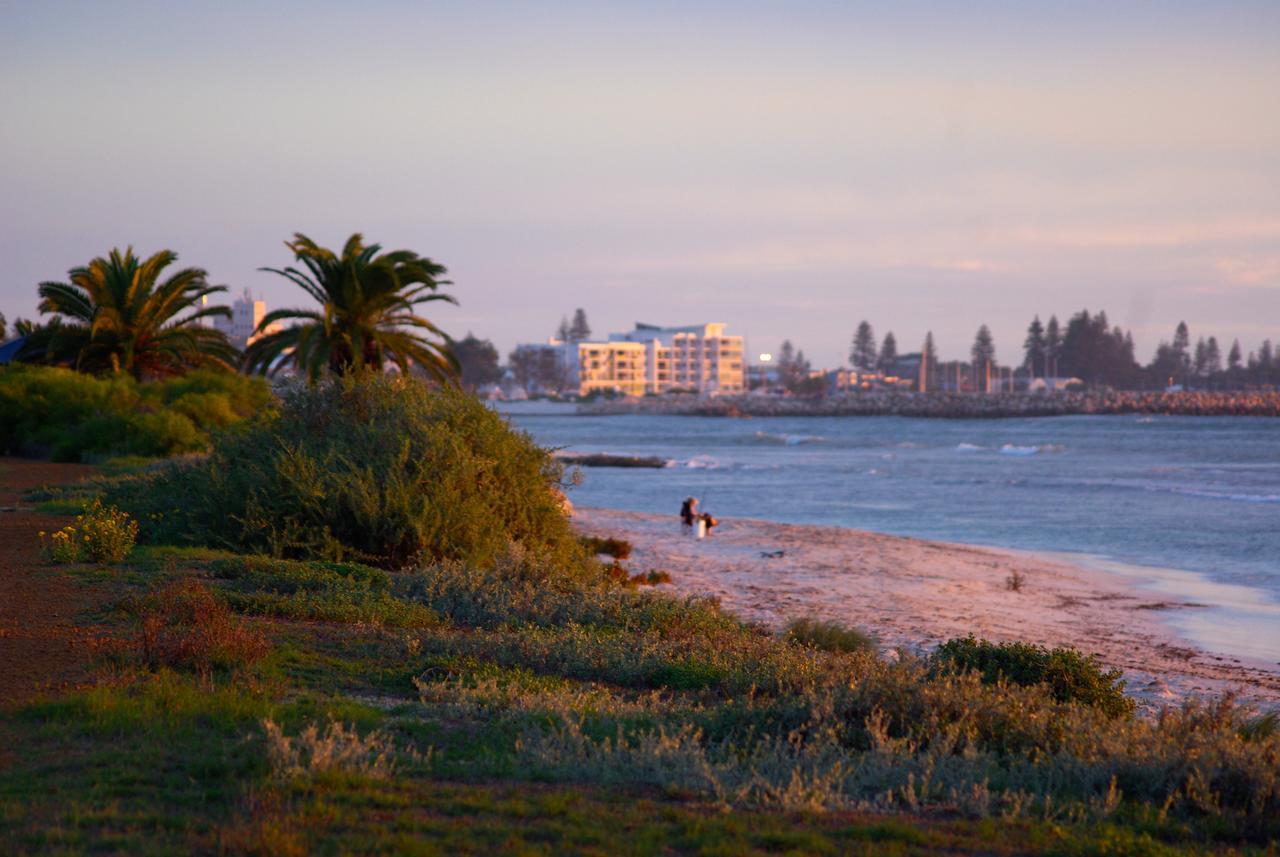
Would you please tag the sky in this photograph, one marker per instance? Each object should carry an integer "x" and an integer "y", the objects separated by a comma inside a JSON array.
[{"x": 787, "y": 168}]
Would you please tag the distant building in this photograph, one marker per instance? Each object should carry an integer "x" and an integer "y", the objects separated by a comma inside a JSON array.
[
  {"x": 649, "y": 359},
  {"x": 246, "y": 315}
]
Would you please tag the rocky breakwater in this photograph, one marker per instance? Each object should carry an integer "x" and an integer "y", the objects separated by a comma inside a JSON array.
[{"x": 951, "y": 405}]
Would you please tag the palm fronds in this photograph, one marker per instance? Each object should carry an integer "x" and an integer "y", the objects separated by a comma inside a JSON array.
[{"x": 366, "y": 317}]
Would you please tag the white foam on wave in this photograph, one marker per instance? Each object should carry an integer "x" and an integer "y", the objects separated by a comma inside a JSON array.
[
  {"x": 968, "y": 447},
  {"x": 788, "y": 439},
  {"x": 704, "y": 462},
  {"x": 1223, "y": 495},
  {"x": 1014, "y": 449}
]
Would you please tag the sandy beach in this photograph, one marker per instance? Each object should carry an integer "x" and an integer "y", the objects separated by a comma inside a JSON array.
[{"x": 913, "y": 594}]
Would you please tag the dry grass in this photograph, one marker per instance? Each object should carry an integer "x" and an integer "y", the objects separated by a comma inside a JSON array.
[
  {"x": 184, "y": 625},
  {"x": 338, "y": 749}
]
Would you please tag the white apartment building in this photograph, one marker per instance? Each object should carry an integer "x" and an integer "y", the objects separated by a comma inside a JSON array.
[
  {"x": 246, "y": 315},
  {"x": 650, "y": 359},
  {"x": 699, "y": 357}
]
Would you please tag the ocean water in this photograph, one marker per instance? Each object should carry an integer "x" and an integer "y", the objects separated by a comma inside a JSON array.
[{"x": 1190, "y": 504}]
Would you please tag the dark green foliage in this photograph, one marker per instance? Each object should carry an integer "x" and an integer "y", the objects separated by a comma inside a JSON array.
[
  {"x": 382, "y": 470},
  {"x": 1070, "y": 675},
  {"x": 652, "y": 577},
  {"x": 477, "y": 362},
  {"x": 323, "y": 591},
  {"x": 115, "y": 315},
  {"x": 829, "y": 636},
  {"x": 616, "y": 548},
  {"x": 367, "y": 314},
  {"x": 70, "y": 415}
]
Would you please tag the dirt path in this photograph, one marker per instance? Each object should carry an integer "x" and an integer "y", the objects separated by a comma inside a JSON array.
[{"x": 41, "y": 646}]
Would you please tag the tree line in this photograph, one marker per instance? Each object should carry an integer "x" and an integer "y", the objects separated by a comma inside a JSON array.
[{"x": 1088, "y": 348}]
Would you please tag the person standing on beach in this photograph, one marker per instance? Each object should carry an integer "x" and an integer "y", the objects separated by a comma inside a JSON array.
[{"x": 688, "y": 513}]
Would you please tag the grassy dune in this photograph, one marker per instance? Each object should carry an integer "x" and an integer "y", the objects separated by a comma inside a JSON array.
[{"x": 523, "y": 699}]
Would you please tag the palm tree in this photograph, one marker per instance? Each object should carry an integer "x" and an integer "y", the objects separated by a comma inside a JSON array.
[
  {"x": 116, "y": 316},
  {"x": 366, "y": 315}
]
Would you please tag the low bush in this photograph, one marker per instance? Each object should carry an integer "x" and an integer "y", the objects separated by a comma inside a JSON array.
[
  {"x": 616, "y": 548},
  {"x": 186, "y": 626},
  {"x": 101, "y": 534},
  {"x": 652, "y": 577},
  {"x": 381, "y": 470},
  {"x": 320, "y": 591},
  {"x": 1070, "y": 675},
  {"x": 60, "y": 547},
  {"x": 71, "y": 415},
  {"x": 107, "y": 535},
  {"x": 828, "y": 635}
]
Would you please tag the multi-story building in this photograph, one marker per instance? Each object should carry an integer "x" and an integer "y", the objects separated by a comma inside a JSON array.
[
  {"x": 699, "y": 358},
  {"x": 246, "y": 315},
  {"x": 650, "y": 359}
]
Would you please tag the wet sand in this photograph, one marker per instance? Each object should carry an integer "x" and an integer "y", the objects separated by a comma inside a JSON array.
[{"x": 914, "y": 594}]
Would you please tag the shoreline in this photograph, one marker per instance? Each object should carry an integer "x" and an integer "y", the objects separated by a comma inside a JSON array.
[
  {"x": 915, "y": 593},
  {"x": 939, "y": 405}
]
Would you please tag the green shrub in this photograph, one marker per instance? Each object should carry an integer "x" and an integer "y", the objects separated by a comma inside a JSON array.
[
  {"x": 1070, "y": 675},
  {"x": 71, "y": 415},
  {"x": 828, "y": 636},
  {"x": 107, "y": 535},
  {"x": 101, "y": 534},
  {"x": 322, "y": 591},
  {"x": 60, "y": 547},
  {"x": 616, "y": 548},
  {"x": 382, "y": 470}
]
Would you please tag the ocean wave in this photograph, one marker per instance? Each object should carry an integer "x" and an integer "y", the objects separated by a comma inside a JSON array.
[
  {"x": 703, "y": 462},
  {"x": 1014, "y": 449},
  {"x": 1221, "y": 495},
  {"x": 969, "y": 447},
  {"x": 787, "y": 439}
]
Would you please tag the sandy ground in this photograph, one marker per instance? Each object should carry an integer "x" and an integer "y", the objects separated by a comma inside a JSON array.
[
  {"x": 42, "y": 647},
  {"x": 914, "y": 594}
]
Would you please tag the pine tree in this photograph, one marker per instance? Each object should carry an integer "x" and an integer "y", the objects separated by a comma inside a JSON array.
[
  {"x": 862, "y": 356},
  {"x": 1199, "y": 363},
  {"x": 564, "y": 332},
  {"x": 1052, "y": 347},
  {"x": 888, "y": 353},
  {"x": 928, "y": 364},
  {"x": 983, "y": 353},
  {"x": 1182, "y": 349},
  {"x": 579, "y": 331},
  {"x": 1233, "y": 357},
  {"x": 1212, "y": 357},
  {"x": 1034, "y": 348}
]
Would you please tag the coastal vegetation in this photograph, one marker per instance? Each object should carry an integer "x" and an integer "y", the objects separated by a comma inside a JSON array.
[
  {"x": 1068, "y": 674},
  {"x": 272, "y": 691},
  {"x": 377, "y": 469},
  {"x": 828, "y": 635},
  {"x": 73, "y": 416}
]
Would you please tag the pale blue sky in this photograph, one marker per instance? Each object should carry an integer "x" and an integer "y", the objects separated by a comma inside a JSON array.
[{"x": 786, "y": 168}]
